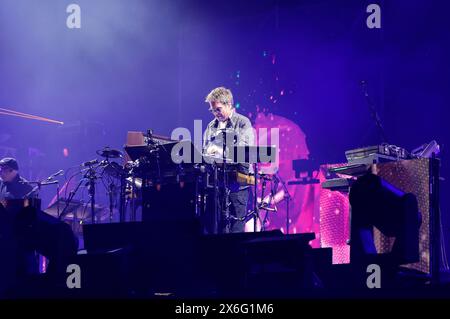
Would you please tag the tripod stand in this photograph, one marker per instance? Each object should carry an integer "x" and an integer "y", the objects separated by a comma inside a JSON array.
[
  {"x": 287, "y": 196},
  {"x": 113, "y": 170},
  {"x": 265, "y": 205},
  {"x": 222, "y": 191}
]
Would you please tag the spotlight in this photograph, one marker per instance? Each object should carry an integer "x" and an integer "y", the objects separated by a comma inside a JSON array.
[{"x": 375, "y": 202}]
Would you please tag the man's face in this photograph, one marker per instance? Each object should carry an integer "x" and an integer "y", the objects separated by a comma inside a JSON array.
[
  {"x": 221, "y": 111},
  {"x": 7, "y": 174}
]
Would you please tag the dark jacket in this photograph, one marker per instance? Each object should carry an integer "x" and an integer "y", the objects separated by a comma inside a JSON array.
[{"x": 16, "y": 189}]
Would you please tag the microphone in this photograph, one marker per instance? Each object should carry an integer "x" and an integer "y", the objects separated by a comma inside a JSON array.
[
  {"x": 90, "y": 163},
  {"x": 49, "y": 182},
  {"x": 58, "y": 173}
]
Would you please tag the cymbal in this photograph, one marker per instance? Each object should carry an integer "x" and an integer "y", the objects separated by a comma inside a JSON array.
[
  {"x": 109, "y": 153},
  {"x": 82, "y": 210}
]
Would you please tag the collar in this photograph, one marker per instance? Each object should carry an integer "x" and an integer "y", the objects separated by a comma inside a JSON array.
[{"x": 231, "y": 120}]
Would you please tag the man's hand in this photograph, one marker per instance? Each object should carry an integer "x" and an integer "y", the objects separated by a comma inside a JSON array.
[{"x": 214, "y": 150}]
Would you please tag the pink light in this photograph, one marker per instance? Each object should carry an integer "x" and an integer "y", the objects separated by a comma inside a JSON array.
[
  {"x": 66, "y": 152},
  {"x": 302, "y": 207},
  {"x": 334, "y": 223}
]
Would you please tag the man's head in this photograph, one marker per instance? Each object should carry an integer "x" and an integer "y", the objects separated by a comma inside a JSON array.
[
  {"x": 8, "y": 169},
  {"x": 220, "y": 103}
]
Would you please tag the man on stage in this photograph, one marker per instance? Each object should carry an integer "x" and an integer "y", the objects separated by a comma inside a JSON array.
[{"x": 227, "y": 122}]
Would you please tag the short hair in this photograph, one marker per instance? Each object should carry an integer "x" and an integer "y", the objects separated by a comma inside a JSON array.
[{"x": 220, "y": 94}]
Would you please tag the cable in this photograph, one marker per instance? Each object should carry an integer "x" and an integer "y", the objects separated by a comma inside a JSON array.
[{"x": 68, "y": 183}]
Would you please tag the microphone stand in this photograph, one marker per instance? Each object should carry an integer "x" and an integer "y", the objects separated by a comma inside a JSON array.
[
  {"x": 71, "y": 196},
  {"x": 90, "y": 174},
  {"x": 128, "y": 171},
  {"x": 38, "y": 186},
  {"x": 111, "y": 188},
  {"x": 57, "y": 199},
  {"x": 263, "y": 190},
  {"x": 255, "y": 199},
  {"x": 47, "y": 181},
  {"x": 122, "y": 198},
  {"x": 226, "y": 199},
  {"x": 217, "y": 214},
  {"x": 91, "y": 190},
  {"x": 373, "y": 112}
]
